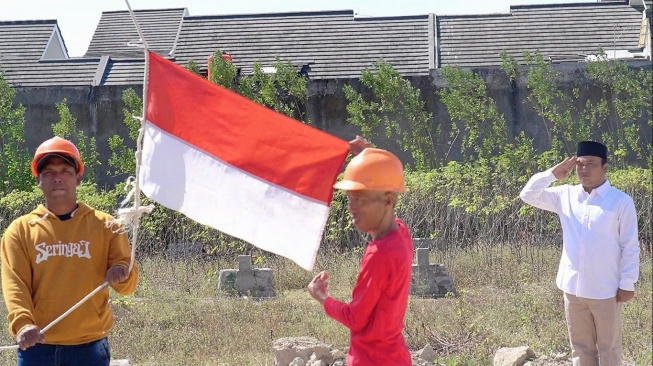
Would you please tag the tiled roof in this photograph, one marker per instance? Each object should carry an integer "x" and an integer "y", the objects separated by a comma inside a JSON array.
[
  {"x": 116, "y": 29},
  {"x": 73, "y": 72},
  {"x": 557, "y": 31},
  {"x": 325, "y": 45},
  {"x": 124, "y": 72},
  {"x": 23, "y": 45},
  {"x": 25, "y": 40},
  {"x": 334, "y": 44}
]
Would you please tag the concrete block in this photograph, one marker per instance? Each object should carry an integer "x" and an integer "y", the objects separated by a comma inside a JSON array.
[
  {"x": 422, "y": 255},
  {"x": 423, "y": 243},
  {"x": 246, "y": 281},
  {"x": 429, "y": 280},
  {"x": 244, "y": 262}
]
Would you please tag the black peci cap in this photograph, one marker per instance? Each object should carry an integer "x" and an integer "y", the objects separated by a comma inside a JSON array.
[{"x": 592, "y": 148}]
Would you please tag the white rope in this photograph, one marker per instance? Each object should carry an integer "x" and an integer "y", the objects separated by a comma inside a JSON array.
[{"x": 128, "y": 218}]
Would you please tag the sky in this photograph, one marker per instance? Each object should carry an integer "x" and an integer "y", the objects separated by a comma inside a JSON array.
[{"x": 77, "y": 19}]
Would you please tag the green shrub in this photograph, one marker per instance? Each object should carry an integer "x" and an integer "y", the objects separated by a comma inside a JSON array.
[{"x": 18, "y": 203}]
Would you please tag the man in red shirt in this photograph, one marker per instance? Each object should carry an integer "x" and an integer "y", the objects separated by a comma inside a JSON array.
[{"x": 375, "y": 315}]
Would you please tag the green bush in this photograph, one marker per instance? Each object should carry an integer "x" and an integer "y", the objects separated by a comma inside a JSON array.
[
  {"x": 458, "y": 208},
  {"x": 18, "y": 203}
]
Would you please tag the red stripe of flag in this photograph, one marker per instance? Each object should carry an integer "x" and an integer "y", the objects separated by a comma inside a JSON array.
[{"x": 242, "y": 133}]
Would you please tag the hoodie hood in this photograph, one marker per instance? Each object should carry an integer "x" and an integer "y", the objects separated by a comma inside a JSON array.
[{"x": 41, "y": 212}]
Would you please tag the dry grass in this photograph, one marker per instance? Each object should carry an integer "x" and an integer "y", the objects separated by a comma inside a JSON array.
[{"x": 507, "y": 298}]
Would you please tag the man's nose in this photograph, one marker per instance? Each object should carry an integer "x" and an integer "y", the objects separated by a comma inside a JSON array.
[{"x": 56, "y": 177}]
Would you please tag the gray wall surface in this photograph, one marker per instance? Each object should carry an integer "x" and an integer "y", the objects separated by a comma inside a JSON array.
[{"x": 99, "y": 109}]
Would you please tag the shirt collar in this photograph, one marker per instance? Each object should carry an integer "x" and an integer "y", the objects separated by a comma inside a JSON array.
[{"x": 601, "y": 190}]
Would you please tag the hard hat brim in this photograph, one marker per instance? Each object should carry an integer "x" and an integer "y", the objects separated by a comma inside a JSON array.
[
  {"x": 40, "y": 164},
  {"x": 349, "y": 185}
]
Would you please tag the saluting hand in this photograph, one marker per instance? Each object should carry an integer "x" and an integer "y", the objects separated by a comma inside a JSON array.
[{"x": 563, "y": 169}]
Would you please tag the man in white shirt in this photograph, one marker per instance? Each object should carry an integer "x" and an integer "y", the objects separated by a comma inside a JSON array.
[{"x": 600, "y": 253}]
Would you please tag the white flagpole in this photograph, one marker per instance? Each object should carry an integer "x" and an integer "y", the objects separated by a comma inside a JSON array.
[{"x": 137, "y": 210}]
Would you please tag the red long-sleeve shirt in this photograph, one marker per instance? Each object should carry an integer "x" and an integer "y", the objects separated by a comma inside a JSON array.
[{"x": 375, "y": 315}]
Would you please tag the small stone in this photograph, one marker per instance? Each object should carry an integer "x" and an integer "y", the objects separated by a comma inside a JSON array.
[
  {"x": 317, "y": 363},
  {"x": 427, "y": 353},
  {"x": 561, "y": 356},
  {"x": 513, "y": 356},
  {"x": 337, "y": 354},
  {"x": 283, "y": 356},
  {"x": 322, "y": 352},
  {"x": 120, "y": 363},
  {"x": 298, "y": 361}
]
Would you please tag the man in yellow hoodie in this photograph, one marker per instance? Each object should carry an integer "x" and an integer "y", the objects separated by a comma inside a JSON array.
[{"x": 56, "y": 255}]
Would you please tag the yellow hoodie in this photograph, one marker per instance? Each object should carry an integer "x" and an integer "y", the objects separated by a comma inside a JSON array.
[{"x": 48, "y": 265}]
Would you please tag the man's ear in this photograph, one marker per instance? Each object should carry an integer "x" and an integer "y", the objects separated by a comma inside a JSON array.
[
  {"x": 393, "y": 198},
  {"x": 390, "y": 198},
  {"x": 38, "y": 180}
]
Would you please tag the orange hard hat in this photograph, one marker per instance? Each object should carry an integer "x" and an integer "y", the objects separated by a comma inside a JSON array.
[
  {"x": 62, "y": 148},
  {"x": 373, "y": 170}
]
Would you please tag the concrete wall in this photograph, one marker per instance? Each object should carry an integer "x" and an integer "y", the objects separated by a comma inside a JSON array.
[
  {"x": 99, "y": 109},
  {"x": 327, "y": 104},
  {"x": 520, "y": 114}
]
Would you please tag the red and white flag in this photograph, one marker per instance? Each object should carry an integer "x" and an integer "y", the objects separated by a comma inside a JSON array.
[{"x": 234, "y": 165}]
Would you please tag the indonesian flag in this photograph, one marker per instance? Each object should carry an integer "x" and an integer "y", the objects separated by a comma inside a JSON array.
[{"x": 234, "y": 165}]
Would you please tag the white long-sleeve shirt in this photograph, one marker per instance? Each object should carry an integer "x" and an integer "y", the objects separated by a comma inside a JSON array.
[{"x": 600, "y": 252}]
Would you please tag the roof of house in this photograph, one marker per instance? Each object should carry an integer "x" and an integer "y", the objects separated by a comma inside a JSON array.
[
  {"x": 323, "y": 45},
  {"x": 116, "y": 31},
  {"x": 32, "y": 53},
  {"x": 559, "y": 32},
  {"x": 25, "y": 39},
  {"x": 332, "y": 44},
  {"x": 73, "y": 72},
  {"x": 124, "y": 72}
]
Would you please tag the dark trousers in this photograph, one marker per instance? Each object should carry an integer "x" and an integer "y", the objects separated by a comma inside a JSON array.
[{"x": 94, "y": 353}]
